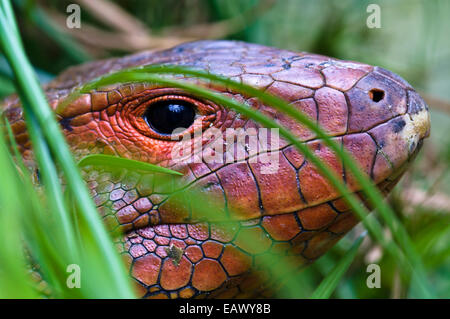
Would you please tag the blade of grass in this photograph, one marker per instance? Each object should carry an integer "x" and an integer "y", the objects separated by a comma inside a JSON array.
[
  {"x": 42, "y": 230},
  {"x": 53, "y": 188},
  {"x": 14, "y": 279},
  {"x": 120, "y": 162}
]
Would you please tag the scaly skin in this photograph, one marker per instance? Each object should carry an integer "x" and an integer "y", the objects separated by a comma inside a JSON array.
[{"x": 295, "y": 212}]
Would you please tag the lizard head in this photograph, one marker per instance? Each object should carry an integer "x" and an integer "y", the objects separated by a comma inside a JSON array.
[{"x": 255, "y": 178}]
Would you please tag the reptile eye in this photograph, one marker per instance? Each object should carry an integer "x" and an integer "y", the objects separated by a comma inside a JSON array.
[{"x": 166, "y": 116}]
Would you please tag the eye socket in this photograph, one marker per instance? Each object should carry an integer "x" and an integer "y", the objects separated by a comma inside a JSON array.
[
  {"x": 158, "y": 113},
  {"x": 167, "y": 115}
]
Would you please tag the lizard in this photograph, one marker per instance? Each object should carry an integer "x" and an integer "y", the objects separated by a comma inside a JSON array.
[{"x": 373, "y": 113}]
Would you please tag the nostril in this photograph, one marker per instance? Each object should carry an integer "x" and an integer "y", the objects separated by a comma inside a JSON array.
[{"x": 376, "y": 95}]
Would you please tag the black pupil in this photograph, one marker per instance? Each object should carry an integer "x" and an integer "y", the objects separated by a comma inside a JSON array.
[{"x": 166, "y": 116}]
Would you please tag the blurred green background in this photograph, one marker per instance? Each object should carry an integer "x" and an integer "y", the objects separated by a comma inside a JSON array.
[{"x": 413, "y": 41}]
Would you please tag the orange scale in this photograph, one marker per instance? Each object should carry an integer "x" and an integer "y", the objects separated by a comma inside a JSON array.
[
  {"x": 208, "y": 275},
  {"x": 141, "y": 221},
  {"x": 300, "y": 76},
  {"x": 143, "y": 205},
  {"x": 138, "y": 250},
  {"x": 177, "y": 243},
  {"x": 161, "y": 251},
  {"x": 344, "y": 222},
  {"x": 333, "y": 110},
  {"x": 175, "y": 276},
  {"x": 317, "y": 217},
  {"x": 147, "y": 232},
  {"x": 150, "y": 245},
  {"x": 342, "y": 78},
  {"x": 281, "y": 227},
  {"x": 314, "y": 186},
  {"x": 99, "y": 101},
  {"x": 190, "y": 241},
  {"x": 235, "y": 261},
  {"x": 127, "y": 214},
  {"x": 134, "y": 238},
  {"x": 194, "y": 253},
  {"x": 199, "y": 231},
  {"x": 162, "y": 240},
  {"x": 179, "y": 231},
  {"x": 162, "y": 230},
  {"x": 212, "y": 249},
  {"x": 146, "y": 269},
  {"x": 106, "y": 129}
]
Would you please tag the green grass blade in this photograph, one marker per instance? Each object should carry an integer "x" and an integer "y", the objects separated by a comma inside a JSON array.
[
  {"x": 14, "y": 278},
  {"x": 53, "y": 188},
  {"x": 39, "y": 228},
  {"x": 120, "y": 162}
]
